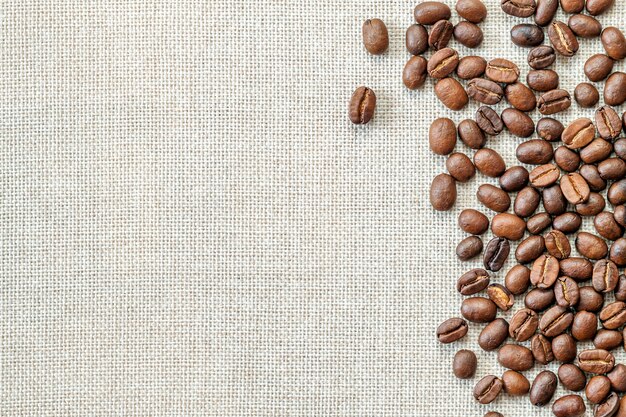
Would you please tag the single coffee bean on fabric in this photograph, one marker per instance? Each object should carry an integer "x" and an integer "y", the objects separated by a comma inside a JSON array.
[
  {"x": 614, "y": 43},
  {"x": 442, "y": 63},
  {"x": 471, "y": 67},
  {"x": 508, "y": 226},
  {"x": 579, "y": 133},
  {"x": 362, "y": 106},
  {"x": 493, "y": 334},
  {"x": 473, "y": 281},
  {"x": 613, "y": 315},
  {"x": 554, "y": 201},
  {"x": 549, "y": 129},
  {"x": 545, "y": 271},
  {"x": 617, "y": 254},
  {"x": 615, "y": 89},
  {"x": 469, "y": 248},
  {"x": 572, "y": 377},
  {"x": 543, "y": 388},
  {"x": 572, "y": 6},
  {"x": 544, "y": 80},
  {"x": 416, "y": 39},
  {"x": 597, "y": 389},
  {"x": 375, "y": 36},
  {"x": 489, "y": 162},
  {"x": 554, "y": 101},
  {"x": 440, "y": 35},
  {"x": 496, "y": 254},
  {"x": 502, "y": 70},
  {"x": 464, "y": 364},
  {"x": 523, "y": 324},
  {"x": 489, "y": 121},
  {"x": 538, "y": 223},
  {"x": 591, "y": 246},
  {"x": 471, "y": 134},
  {"x": 535, "y": 152},
  {"x": 485, "y": 91},
  {"x": 443, "y": 192},
  {"x": 468, "y": 34},
  {"x": 518, "y": 123},
  {"x": 451, "y": 93},
  {"x": 544, "y": 175},
  {"x": 567, "y": 294},
  {"x": 520, "y": 96},
  {"x": 541, "y": 348},
  {"x": 589, "y": 299},
  {"x": 487, "y": 389},
  {"x": 541, "y": 57},
  {"x": 471, "y": 10},
  {"x": 564, "y": 348},
  {"x": 598, "y": 67},
  {"x": 591, "y": 174},
  {"x": 555, "y": 321},
  {"x": 597, "y": 7},
  {"x": 608, "y": 123},
  {"x": 514, "y": 179},
  {"x": 571, "y": 405},
  {"x": 568, "y": 222},
  {"x": 617, "y": 377},
  {"x": 460, "y": 167},
  {"x": 597, "y": 150},
  {"x": 526, "y": 202},
  {"x": 607, "y": 227},
  {"x": 518, "y": 8},
  {"x": 501, "y": 296},
  {"x": 596, "y": 361},
  {"x": 493, "y": 198},
  {"x": 545, "y": 11},
  {"x": 478, "y": 309},
  {"x": 430, "y": 12},
  {"x": 580, "y": 269},
  {"x": 608, "y": 407},
  {"x": 585, "y": 323},
  {"x": 452, "y": 330},
  {"x": 584, "y": 26},
  {"x": 517, "y": 280},
  {"x": 562, "y": 38},
  {"x": 516, "y": 357},
  {"x": 515, "y": 383},
  {"x": 414, "y": 73},
  {"x": 539, "y": 299},
  {"x": 608, "y": 339},
  {"x": 527, "y": 35},
  {"x": 442, "y": 136},
  {"x": 586, "y": 95}
]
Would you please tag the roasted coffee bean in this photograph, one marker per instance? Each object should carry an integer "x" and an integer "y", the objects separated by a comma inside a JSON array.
[
  {"x": 451, "y": 330},
  {"x": 526, "y": 34},
  {"x": 586, "y": 95},
  {"x": 615, "y": 89},
  {"x": 516, "y": 357},
  {"x": 608, "y": 407},
  {"x": 443, "y": 192},
  {"x": 622, "y": 408},
  {"x": 430, "y": 12},
  {"x": 596, "y": 361},
  {"x": 489, "y": 162},
  {"x": 566, "y": 159},
  {"x": 416, "y": 39},
  {"x": 617, "y": 193},
  {"x": 489, "y": 121},
  {"x": 578, "y": 268},
  {"x": 493, "y": 414},
  {"x": 555, "y": 321},
  {"x": 608, "y": 123},
  {"x": 539, "y": 299},
  {"x": 549, "y": 129},
  {"x": 572, "y": 6},
  {"x": 593, "y": 206},
  {"x": 567, "y": 294},
  {"x": 478, "y": 309},
  {"x": 508, "y": 226},
  {"x": 596, "y": 7},
  {"x": 553, "y": 101},
  {"x": 493, "y": 335},
  {"x": 523, "y": 324},
  {"x": 614, "y": 43},
  {"x": 575, "y": 188},
  {"x": 487, "y": 389},
  {"x": 517, "y": 122},
  {"x": 362, "y": 106},
  {"x": 518, "y": 8},
  {"x": 584, "y": 325},
  {"x": 567, "y": 222},
  {"x": 517, "y": 279},
  {"x": 471, "y": 67},
  {"x": 562, "y": 38},
  {"x": 526, "y": 202},
  {"x": 554, "y": 201},
  {"x": 493, "y": 198},
  {"x": 440, "y": 34},
  {"x": 545, "y": 271},
  {"x": 544, "y": 80},
  {"x": 541, "y": 349},
  {"x": 520, "y": 96},
  {"x": 414, "y": 73},
  {"x": 564, "y": 348},
  {"x": 578, "y": 133},
  {"x": 472, "y": 10},
  {"x": 485, "y": 91},
  {"x": 589, "y": 299},
  {"x": 597, "y": 150},
  {"x": 618, "y": 255},
  {"x": 607, "y": 227},
  {"x": 545, "y": 12},
  {"x": 501, "y": 297},
  {"x": 569, "y": 406},
  {"x": 502, "y": 70},
  {"x": 534, "y": 151},
  {"x": 515, "y": 383},
  {"x": 514, "y": 178},
  {"x": 375, "y": 36},
  {"x": 468, "y": 34},
  {"x": 607, "y": 339},
  {"x": 572, "y": 377},
  {"x": 592, "y": 176},
  {"x": 584, "y": 26},
  {"x": 473, "y": 222},
  {"x": 464, "y": 364},
  {"x": 543, "y": 388},
  {"x": 613, "y": 315},
  {"x": 443, "y": 63},
  {"x": 619, "y": 214},
  {"x": 451, "y": 93},
  {"x": 598, "y": 389},
  {"x": 541, "y": 57},
  {"x": 469, "y": 248},
  {"x": 471, "y": 134},
  {"x": 473, "y": 281},
  {"x": 617, "y": 377},
  {"x": 529, "y": 249},
  {"x": 538, "y": 223},
  {"x": 544, "y": 175},
  {"x": 591, "y": 246},
  {"x": 460, "y": 167},
  {"x": 598, "y": 67},
  {"x": 557, "y": 244}
]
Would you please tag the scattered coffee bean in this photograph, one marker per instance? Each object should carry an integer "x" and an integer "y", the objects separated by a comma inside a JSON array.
[
  {"x": 575, "y": 188},
  {"x": 508, "y": 226},
  {"x": 517, "y": 122},
  {"x": 545, "y": 271},
  {"x": 526, "y": 34},
  {"x": 572, "y": 377},
  {"x": 555, "y": 321},
  {"x": 414, "y": 73},
  {"x": 568, "y": 222},
  {"x": 501, "y": 296},
  {"x": 615, "y": 89},
  {"x": 619, "y": 214},
  {"x": 496, "y": 254},
  {"x": 442, "y": 136},
  {"x": 543, "y": 80},
  {"x": 608, "y": 122},
  {"x": 516, "y": 357},
  {"x": 514, "y": 178},
  {"x": 517, "y": 280},
  {"x": 586, "y": 95},
  {"x": 593, "y": 206},
  {"x": 618, "y": 255},
  {"x": 472, "y": 10},
  {"x": 617, "y": 193},
  {"x": 489, "y": 121},
  {"x": 598, "y": 67},
  {"x": 562, "y": 38},
  {"x": 591, "y": 174},
  {"x": 596, "y": 7},
  {"x": 569, "y": 406},
  {"x": 614, "y": 43},
  {"x": 539, "y": 299},
  {"x": 579, "y": 133},
  {"x": 545, "y": 11},
  {"x": 375, "y": 36},
  {"x": 526, "y": 202},
  {"x": 464, "y": 364},
  {"x": 485, "y": 91},
  {"x": 451, "y": 93},
  {"x": 529, "y": 249},
  {"x": 430, "y": 12},
  {"x": 443, "y": 63},
  {"x": 608, "y": 407},
  {"x": 544, "y": 175},
  {"x": 460, "y": 167},
  {"x": 468, "y": 34},
  {"x": 591, "y": 246},
  {"x": 520, "y": 96},
  {"x": 564, "y": 348},
  {"x": 578, "y": 268},
  {"x": 567, "y": 294},
  {"x": 549, "y": 129},
  {"x": 440, "y": 34},
  {"x": 452, "y": 330},
  {"x": 557, "y": 244},
  {"x": 596, "y": 361},
  {"x": 473, "y": 282},
  {"x": 487, "y": 389},
  {"x": 572, "y": 6},
  {"x": 584, "y": 26},
  {"x": 489, "y": 162},
  {"x": 598, "y": 150},
  {"x": 554, "y": 101},
  {"x": 518, "y": 8},
  {"x": 607, "y": 227},
  {"x": 494, "y": 334},
  {"x": 598, "y": 388},
  {"x": 471, "y": 67},
  {"x": 541, "y": 57},
  {"x": 613, "y": 315},
  {"x": 416, "y": 39},
  {"x": 478, "y": 309},
  {"x": 585, "y": 323},
  {"x": 607, "y": 339},
  {"x": 362, "y": 106},
  {"x": 523, "y": 324},
  {"x": 617, "y": 377},
  {"x": 543, "y": 388},
  {"x": 554, "y": 201},
  {"x": 493, "y": 198},
  {"x": 535, "y": 152},
  {"x": 589, "y": 299},
  {"x": 469, "y": 248},
  {"x": 502, "y": 71},
  {"x": 443, "y": 192},
  {"x": 538, "y": 223},
  {"x": 541, "y": 349},
  {"x": 566, "y": 159},
  {"x": 515, "y": 383}
]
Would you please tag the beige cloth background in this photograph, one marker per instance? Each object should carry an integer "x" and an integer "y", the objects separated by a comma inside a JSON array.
[{"x": 192, "y": 227}]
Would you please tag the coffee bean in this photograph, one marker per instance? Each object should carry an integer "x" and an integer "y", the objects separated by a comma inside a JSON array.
[
  {"x": 591, "y": 246},
  {"x": 538, "y": 223},
  {"x": 541, "y": 349},
  {"x": 493, "y": 198},
  {"x": 569, "y": 406},
  {"x": 586, "y": 95},
  {"x": 596, "y": 361},
  {"x": 562, "y": 38},
  {"x": 473, "y": 282},
  {"x": 489, "y": 121},
  {"x": 535, "y": 151},
  {"x": 619, "y": 214},
  {"x": 529, "y": 249},
  {"x": 615, "y": 89},
  {"x": 539, "y": 299},
  {"x": 566, "y": 294},
  {"x": 452, "y": 330},
  {"x": 508, "y": 226},
  {"x": 575, "y": 188},
  {"x": 416, "y": 39},
  {"x": 545, "y": 271},
  {"x": 584, "y": 26},
  {"x": 375, "y": 36},
  {"x": 496, "y": 254},
  {"x": 460, "y": 167},
  {"x": 589, "y": 299},
  {"x": 617, "y": 193},
  {"x": 564, "y": 348},
  {"x": 579, "y": 133},
  {"x": 517, "y": 279},
  {"x": 613, "y": 315},
  {"x": 443, "y": 63},
  {"x": 598, "y": 67},
  {"x": 543, "y": 388},
  {"x": 598, "y": 150},
  {"x": 596, "y": 7},
  {"x": 557, "y": 244},
  {"x": 567, "y": 222},
  {"x": 526, "y": 34},
  {"x": 478, "y": 309},
  {"x": 622, "y": 408},
  {"x": 485, "y": 91},
  {"x": 607, "y": 339},
  {"x": 608, "y": 122},
  {"x": 608, "y": 407},
  {"x": 541, "y": 57},
  {"x": 472, "y": 10},
  {"x": 502, "y": 71},
  {"x": 414, "y": 73},
  {"x": 471, "y": 67},
  {"x": 591, "y": 174},
  {"x": 451, "y": 93},
  {"x": 549, "y": 129},
  {"x": 572, "y": 377},
  {"x": 612, "y": 169},
  {"x": 572, "y": 6},
  {"x": 566, "y": 159},
  {"x": 494, "y": 334},
  {"x": 520, "y": 96},
  {"x": 469, "y": 247},
  {"x": 442, "y": 136},
  {"x": 443, "y": 192},
  {"x": 516, "y": 357},
  {"x": 440, "y": 35},
  {"x": 518, "y": 123},
  {"x": 545, "y": 80},
  {"x": 607, "y": 227},
  {"x": 579, "y": 269},
  {"x": 585, "y": 324},
  {"x": 593, "y": 206},
  {"x": 515, "y": 383},
  {"x": 598, "y": 389},
  {"x": 430, "y": 12},
  {"x": 468, "y": 34},
  {"x": 545, "y": 12},
  {"x": 362, "y": 105},
  {"x": 464, "y": 364},
  {"x": 554, "y": 101},
  {"x": 518, "y": 8},
  {"x": 618, "y": 255},
  {"x": 489, "y": 162},
  {"x": 526, "y": 202},
  {"x": 471, "y": 134},
  {"x": 487, "y": 389},
  {"x": 544, "y": 175},
  {"x": 523, "y": 324},
  {"x": 614, "y": 43},
  {"x": 617, "y": 377},
  {"x": 554, "y": 201},
  {"x": 514, "y": 178},
  {"x": 555, "y": 321},
  {"x": 501, "y": 297}
]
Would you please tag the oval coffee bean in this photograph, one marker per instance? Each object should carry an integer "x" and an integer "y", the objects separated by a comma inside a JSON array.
[
  {"x": 578, "y": 268},
  {"x": 612, "y": 169},
  {"x": 375, "y": 36},
  {"x": 586, "y": 95},
  {"x": 468, "y": 34},
  {"x": 614, "y": 43},
  {"x": 543, "y": 388},
  {"x": 597, "y": 150},
  {"x": 451, "y": 93},
  {"x": 529, "y": 249},
  {"x": 541, "y": 57},
  {"x": 545, "y": 271},
  {"x": 442, "y": 136},
  {"x": 562, "y": 38},
  {"x": 575, "y": 188},
  {"x": 598, "y": 67},
  {"x": 516, "y": 357},
  {"x": 485, "y": 91},
  {"x": 440, "y": 35},
  {"x": 544, "y": 175},
  {"x": 443, "y": 63},
  {"x": 566, "y": 159},
  {"x": 557, "y": 244},
  {"x": 469, "y": 247},
  {"x": 618, "y": 255},
  {"x": 473, "y": 282},
  {"x": 572, "y": 6},
  {"x": 518, "y": 8},
  {"x": 554, "y": 201},
  {"x": 471, "y": 67},
  {"x": 526, "y": 34},
  {"x": 613, "y": 315},
  {"x": 539, "y": 299},
  {"x": 555, "y": 321},
  {"x": 534, "y": 151},
  {"x": 591, "y": 246},
  {"x": 508, "y": 226},
  {"x": 496, "y": 254},
  {"x": 596, "y": 7},
  {"x": 567, "y": 222},
  {"x": 362, "y": 106},
  {"x": 471, "y": 134},
  {"x": 584, "y": 26},
  {"x": 554, "y": 101},
  {"x": 596, "y": 361},
  {"x": 608, "y": 407},
  {"x": 523, "y": 324},
  {"x": 607, "y": 339},
  {"x": 572, "y": 377},
  {"x": 489, "y": 121},
  {"x": 416, "y": 39},
  {"x": 452, "y": 330},
  {"x": 584, "y": 325},
  {"x": 517, "y": 122},
  {"x": 608, "y": 122},
  {"x": 430, "y": 12},
  {"x": 460, "y": 167},
  {"x": 593, "y": 206},
  {"x": 579, "y": 133},
  {"x": 566, "y": 293},
  {"x": 564, "y": 348},
  {"x": 493, "y": 198},
  {"x": 517, "y": 279},
  {"x": 591, "y": 174},
  {"x": 619, "y": 213},
  {"x": 617, "y": 377},
  {"x": 538, "y": 223},
  {"x": 464, "y": 364},
  {"x": 494, "y": 334},
  {"x": 526, "y": 202},
  {"x": 487, "y": 389},
  {"x": 443, "y": 192},
  {"x": 520, "y": 96},
  {"x": 502, "y": 70},
  {"x": 541, "y": 349},
  {"x": 607, "y": 227},
  {"x": 615, "y": 89},
  {"x": 589, "y": 299},
  {"x": 543, "y": 80},
  {"x": 472, "y": 10},
  {"x": 478, "y": 309},
  {"x": 617, "y": 193},
  {"x": 414, "y": 73},
  {"x": 549, "y": 129},
  {"x": 569, "y": 406},
  {"x": 515, "y": 383},
  {"x": 489, "y": 162},
  {"x": 501, "y": 297},
  {"x": 514, "y": 178},
  {"x": 598, "y": 389},
  {"x": 545, "y": 12}
]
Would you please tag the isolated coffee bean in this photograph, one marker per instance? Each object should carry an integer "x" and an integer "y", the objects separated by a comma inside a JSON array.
[
  {"x": 557, "y": 244},
  {"x": 584, "y": 325},
  {"x": 464, "y": 364},
  {"x": 473, "y": 281},
  {"x": 618, "y": 255},
  {"x": 414, "y": 73},
  {"x": 579, "y": 269},
  {"x": 542, "y": 80},
  {"x": 443, "y": 63},
  {"x": 489, "y": 162},
  {"x": 502, "y": 70},
  {"x": 545, "y": 271},
  {"x": 517, "y": 122},
  {"x": 485, "y": 91},
  {"x": 607, "y": 339},
  {"x": 489, "y": 121},
  {"x": 487, "y": 389},
  {"x": 549, "y": 129},
  {"x": 598, "y": 388},
  {"x": 538, "y": 223},
  {"x": 375, "y": 36},
  {"x": 543, "y": 388},
  {"x": 430, "y": 12},
  {"x": 516, "y": 357},
  {"x": 575, "y": 188},
  {"x": 617, "y": 377},
  {"x": 555, "y": 321},
  {"x": 614, "y": 43},
  {"x": 566, "y": 293},
  {"x": 554, "y": 101},
  {"x": 591, "y": 246},
  {"x": 460, "y": 167},
  {"x": 564, "y": 348},
  {"x": 572, "y": 6},
  {"x": 440, "y": 35},
  {"x": 539, "y": 299},
  {"x": 517, "y": 280},
  {"x": 514, "y": 178},
  {"x": 578, "y": 133},
  {"x": 569, "y": 406},
  {"x": 596, "y": 361},
  {"x": 493, "y": 198},
  {"x": 584, "y": 26},
  {"x": 598, "y": 67},
  {"x": 608, "y": 407},
  {"x": 597, "y": 150},
  {"x": 568, "y": 222},
  {"x": 471, "y": 134},
  {"x": 586, "y": 95},
  {"x": 494, "y": 334},
  {"x": 508, "y": 226},
  {"x": 572, "y": 377},
  {"x": 526, "y": 202},
  {"x": 535, "y": 151},
  {"x": 515, "y": 383},
  {"x": 544, "y": 175},
  {"x": 566, "y": 159},
  {"x": 501, "y": 296},
  {"x": 529, "y": 249},
  {"x": 416, "y": 39},
  {"x": 589, "y": 299},
  {"x": 468, "y": 34},
  {"x": 471, "y": 10},
  {"x": 362, "y": 106},
  {"x": 541, "y": 349},
  {"x": 443, "y": 192},
  {"x": 452, "y": 330},
  {"x": 469, "y": 248},
  {"x": 518, "y": 8},
  {"x": 562, "y": 38},
  {"x": 541, "y": 57},
  {"x": 471, "y": 67},
  {"x": 613, "y": 315},
  {"x": 593, "y": 206},
  {"x": 442, "y": 136},
  {"x": 523, "y": 324},
  {"x": 526, "y": 34},
  {"x": 608, "y": 122},
  {"x": 591, "y": 174},
  {"x": 607, "y": 227},
  {"x": 617, "y": 193},
  {"x": 451, "y": 93},
  {"x": 545, "y": 11},
  {"x": 615, "y": 89},
  {"x": 520, "y": 96}
]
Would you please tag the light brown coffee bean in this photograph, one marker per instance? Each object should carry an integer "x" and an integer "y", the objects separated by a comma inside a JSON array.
[
  {"x": 541, "y": 348},
  {"x": 572, "y": 6},
  {"x": 538, "y": 223},
  {"x": 493, "y": 198},
  {"x": 451, "y": 93},
  {"x": 608, "y": 122},
  {"x": 443, "y": 63},
  {"x": 440, "y": 34},
  {"x": 597, "y": 150},
  {"x": 489, "y": 121},
  {"x": 564, "y": 348},
  {"x": 487, "y": 389},
  {"x": 508, "y": 226},
  {"x": 478, "y": 309},
  {"x": 430, "y": 12},
  {"x": 442, "y": 136},
  {"x": 545, "y": 12},
  {"x": 589, "y": 299},
  {"x": 514, "y": 178},
  {"x": 472, "y": 10},
  {"x": 515, "y": 383},
  {"x": 518, "y": 8},
  {"x": 596, "y": 361},
  {"x": 414, "y": 73},
  {"x": 529, "y": 249},
  {"x": 572, "y": 377},
  {"x": 591, "y": 174},
  {"x": 562, "y": 38},
  {"x": 591, "y": 246},
  {"x": 613, "y": 315},
  {"x": 598, "y": 388},
  {"x": 484, "y": 91},
  {"x": 460, "y": 167},
  {"x": 615, "y": 89},
  {"x": 614, "y": 43},
  {"x": 586, "y": 95},
  {"x": 517, "y": 122},
  {"x": 520, "y": 96},
  {"x": 555, "y": 321},
  {"x": 468, "y": 34},
  {"x": 502, "y": 71},
  {"x": 523, "y": 324},
  {"x": 554, "y": 101},
  {"x": 566, "y": 159},
  {"x": 471, "y": 67},
  {"x": 539, "y": 299},
  {"x": 452, "y": 330},
  {"x": 575, "y": 188},
  {"x": 494, "y": 334},
  {"x": 557, "y": 244},
  {"x": 517, "y": 280},
  {"x": 489, "y": 162},
  {"x": 443, "y": 192},
  {"x": 568, "y": 222},
  {"x": 593, "y": 206},
  {"x": 526, "y": 202},
  {"x": 607, "y": 227},
  {"x": 566, "y": 293},
  {"x": 544, "y": 175},
  {"x": 471, "y": 134},
  {"x": 584, "y": 325},
  {"x": 416, "y": 39},
  {"x": 501, "y": 296},
  {"x": 516, "y": 357},
  {"x": 607, "y": 339},
  {"x": 618, "y": 255},
  {"x": 545, "y": 271},
  {"x": 469, "y": 248},
  {"x": 375, "y": 36},
  {"x": 598, "y": 67},
  {"x": 362, "y": 106},
  {"x": 578, "y": 268},
  {"x": 579, "y": 133},
  {"x": 543, "y": 388},
  {"x": 584, "y": 26}
]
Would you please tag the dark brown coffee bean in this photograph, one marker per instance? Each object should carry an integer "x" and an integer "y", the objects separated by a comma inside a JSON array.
[
  {"x": 607, "y": 227},
  {"x": 529, "y": 249},
  {"x": 596, "y": 361},
  {"x": 485, "y": 91},
  {"x": 564, "y": 348},
  {"x": 553, "y": 101},
  {"x": 598, "y": 67},
  {"x": 514, "y": 178},
  {"x": 526, "y": 34},
  {"x": 471, "y": 67},
  {"x": 612, "y": 169},
  {"x": 613, "y": 315},
  {"x": 608, "y": 123},
  {"x": 584, "y": 325},
  {"x": 541, "y": 57},
  {"x": 520, "y": 96},
  {"x": 586, "y": 95},
  {"x": 478, "y": 309},
  {"x": 617, "y": 193},
  {"x": 584, "y": 26},
  {"x": 545, "y": 271},
  {"x": 473, "y": 222},
  {"x": 614, "y": 43},
  {"x": 471, "y": 134},
  {"x": 501, "y": 297},
  {"x": 443, "y": 192},
  {"x": 545, "y": 12},
  {"x": 575, "y": 188},
  {"x": 516, "y": 357},
  {"x": 589, "y": 299},
  {"x": 443, "y": 63},
  {"x": 578, "y": 268},
  {"x": 460, "y": 167},
  {"x": 555, "y": 321},
  {"x": 591, "y": 246},
  {"x": 487, "y": 389},
  {"x": 569, "y": 406},
  {"x": 430, "y": 12},
  {"x": 615, "y": 89},
  {"x": 515, "y": 383},
  {"x": 535, "y": 151},
  {"x": 598, "y": 388},
  {"x": 451, "y": 330},
  {"x": 440, "y": 35},
  {"x": 538, "y": 223},
  {"x": 493, "y": 335},
  {"x": 518, "y": 8},
  {"x": 568, "y": 222},
  {"x": 619, "y": 214},
  {"x": 464, "y": 364},
  {"x": 493, "y": 198},
  {"x": 545, "y": 80},
  {"x": 489, "y": 162},
  {"x": 489, "y": 121},
  {"x": 468, "y": 34},
  {"x": 375, "y": 36},
  {"x": 544, "y": 175},
  {"x": 578, "y": 133},
  {"x": 593, "y": 206},
  {"x": 597, "y": 150},
  {"x": 472, "y": 10},
  {"x": 526, "y": 202},
  {"x": 416, "y": 39},
  {"x": 596, "y": 7},
  {"x": 562, "y": 38},
  {"x": 608, "y": 407},
  {"x": 502, "y": 70},
  {"x": 414, "y": 73},
  {"x": 558, "y": 245},
  {"x": 517, "y": 122},
  {"x": 566, "y": 159},
  {"x": 591, "y": 174},
  {"x": 469, "y": 247},
  {"x": 554, "y": 201},
  {"x": 523, "y": 324},
  {"x": 508, "y": 226},
  {"x": 607, "y": 339},
  {"x": 451, "y": 93},
  {"x": 541, "y": 349},
  {"x": 543, "y": 388},
  {"x": 617, "y": 377},
  {"x": 362, "y": 106},
  {"x": 572, "y": 377},
  {"x": 473, "y": 282},
  {"x": 572, "y": 6},
  {"x": 566, "y": 293},
  {"x": 539, "y": 299},
  {"x": 549, "y": 129},
  {"x": 618, "y": 255},
  {"x": 622, "y": 408},
  {"x": 496, "y": 254},
  {"x": 517, "y": 280}
]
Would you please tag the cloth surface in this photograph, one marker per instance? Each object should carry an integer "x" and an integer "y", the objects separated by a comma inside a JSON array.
[{"x": 192, "y": 227}]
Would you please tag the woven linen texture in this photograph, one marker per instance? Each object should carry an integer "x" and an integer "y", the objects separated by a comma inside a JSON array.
[{"x": 192, "y": 227}]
